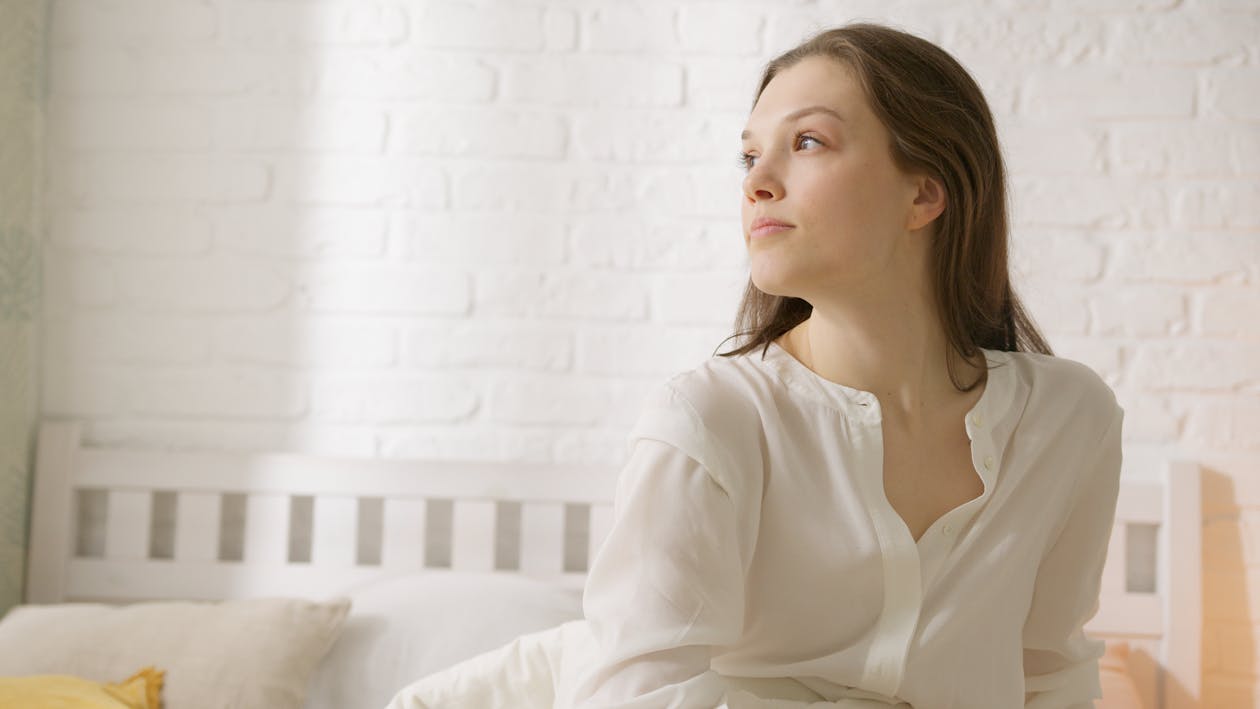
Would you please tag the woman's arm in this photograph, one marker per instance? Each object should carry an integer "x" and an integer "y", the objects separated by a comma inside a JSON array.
[
  {"x": 1060, "y": 661},
  {"x": 665, "y": 587}
]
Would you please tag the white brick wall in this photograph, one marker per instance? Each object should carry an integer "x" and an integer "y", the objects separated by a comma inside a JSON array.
[{"x": 482, "y": 229}]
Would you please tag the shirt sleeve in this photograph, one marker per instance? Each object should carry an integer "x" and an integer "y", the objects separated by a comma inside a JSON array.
[
  {"x": 1060, "y": 660},
  {"x": 666, "y": 585}
]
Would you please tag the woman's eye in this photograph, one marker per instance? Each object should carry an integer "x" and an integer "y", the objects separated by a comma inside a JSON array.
[{"x": 747, "y": 161}]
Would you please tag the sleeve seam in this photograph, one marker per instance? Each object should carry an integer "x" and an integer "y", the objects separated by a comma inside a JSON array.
[{"x": 707, "y": 442}]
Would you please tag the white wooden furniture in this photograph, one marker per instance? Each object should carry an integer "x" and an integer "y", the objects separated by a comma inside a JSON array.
[{"x": 122, "y": 525}]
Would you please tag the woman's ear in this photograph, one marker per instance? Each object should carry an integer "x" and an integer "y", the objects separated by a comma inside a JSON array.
[{"x": 929, "y": 201}]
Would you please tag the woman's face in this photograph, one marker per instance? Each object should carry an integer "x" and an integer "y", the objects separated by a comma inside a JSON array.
[{"x": 830, "y": 177}]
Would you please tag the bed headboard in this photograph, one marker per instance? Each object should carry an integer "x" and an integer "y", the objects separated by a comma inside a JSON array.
[
  {"x": 122, "y": 525},
  {"x": 1152, "y": 585}
]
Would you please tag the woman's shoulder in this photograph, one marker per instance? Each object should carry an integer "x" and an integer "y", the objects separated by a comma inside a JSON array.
[
  {"x": 718, "y": 387},
  {"x": 1066, "y": 381}
]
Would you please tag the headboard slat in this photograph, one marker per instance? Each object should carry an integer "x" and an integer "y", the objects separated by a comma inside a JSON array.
[
  {"x": 542, "y": 537},
  {"x": 402, "y": 535},
  {"x": 197, "y": 526},
  {"x": 266, "y": 529},
  {"x": 472, "y": 535},
  {"x": 127, "y": 524},
  {"x": 335, "y": 531}
]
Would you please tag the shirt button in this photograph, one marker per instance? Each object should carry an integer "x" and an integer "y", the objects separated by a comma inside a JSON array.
[
  {"x": 948, "y": 528},
  {"x": 988, "y": 462},
  {"x": 975, "y": 420}
]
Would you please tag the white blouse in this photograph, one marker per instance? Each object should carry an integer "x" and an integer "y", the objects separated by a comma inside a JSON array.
[{"x": 754, "y": 554}]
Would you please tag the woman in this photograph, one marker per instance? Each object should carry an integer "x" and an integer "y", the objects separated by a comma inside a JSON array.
[
  {"x": 892, "y": 494},
  {"x": 879, "y": 499}
]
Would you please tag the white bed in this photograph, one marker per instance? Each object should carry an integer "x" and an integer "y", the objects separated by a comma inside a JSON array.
[{"x": 122, "y": 525}]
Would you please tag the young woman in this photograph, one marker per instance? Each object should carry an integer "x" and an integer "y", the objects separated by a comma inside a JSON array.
[{"x": 892, "y": 494}]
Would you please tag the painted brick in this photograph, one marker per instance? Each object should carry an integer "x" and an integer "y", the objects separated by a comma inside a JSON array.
[
  {"x": 629, "y": 28},
  {"x": 1226, "y": 423},
  {"x": 392, "y": 398},
  {"x": 1093, "y": 202},
  {"x": 560, "y": 29},
  {"x": 559, "y": 400},
  {"x": 466, "y": 26},
  {"x": 302, "y": 26},
  {"x": 77, "y": 281},
  {"x": 701, "y": 299},
  {"x": 131, "y": 125},
  {"x": 1204, "y": 149},
  {"x": 204, "y": 285},
  {"x": 277, "y": 339},
  {"x": 647, "y": 137},
  {"x": 232, "y": 393},
  {"x": 98, "y": 72},
  {"x": 479, "y": 238},
  {"x": 406, "y": 75},
  {"x": 1220, "y": 204},
  {"x": 253, "y": 125},
  {"x": 158, "y": 231},
  {"x": 1233, "y": 92},
  {"x": 1030, "y": 39},
  {"x": 1094, "y": 92},
  {"x": 136, "y": 338},
  {"x": 1148, "y": 418},
  {"x": 722, "y": 84},
  {"x": 382, "y": 288},
  {"x": 555, "y": 294},
  {"x": 647, "y": 353},
  {"x": 659, "y": 243},
  {"x": 361, "y": 181},
  {"x": 1199, "y": 366},
  {"x": 1228, "y": 312},
  {"x": 1195, "y": 259},
  {"x": 479, "y": 132},
  {"x": 523, "y": 347},
  {"x": 167, "y": 179},
  {"x": 126, "y": 23},
  {"x": 1186, "y": 39},
  {"x": 312, "y": 232},
  {"x": 598, "y": 81},
  {"x": 1139, "y": 311},
  {"x": 1067, "y": 255},
  {"x": 1051, "y": 148},
  {"x": 719, "y": 28}
]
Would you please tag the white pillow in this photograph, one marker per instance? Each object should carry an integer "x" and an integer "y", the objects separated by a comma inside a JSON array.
[
  {"x": 216, "y": 655},
  {"x": 403, "y": 628}
]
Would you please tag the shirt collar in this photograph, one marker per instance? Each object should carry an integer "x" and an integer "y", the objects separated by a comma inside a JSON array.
[{"x": 862, "y": 406}]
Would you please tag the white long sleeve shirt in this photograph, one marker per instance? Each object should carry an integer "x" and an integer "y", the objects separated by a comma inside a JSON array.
[{"x": 754, "y": 554}]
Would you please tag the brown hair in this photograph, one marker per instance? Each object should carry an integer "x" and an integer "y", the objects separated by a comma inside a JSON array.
[{"x": 940, "y": 124}]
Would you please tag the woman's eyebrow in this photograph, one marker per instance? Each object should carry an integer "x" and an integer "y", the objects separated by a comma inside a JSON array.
[{"x": 801, "y": 113}]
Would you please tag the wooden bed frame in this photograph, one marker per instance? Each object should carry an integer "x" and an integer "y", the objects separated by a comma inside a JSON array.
[{"x": 119, "y": 525}]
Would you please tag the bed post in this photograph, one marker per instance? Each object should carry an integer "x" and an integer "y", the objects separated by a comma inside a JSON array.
[
  {"x": 51, "y": 512},
  {"x": 1184, "y": 594}
]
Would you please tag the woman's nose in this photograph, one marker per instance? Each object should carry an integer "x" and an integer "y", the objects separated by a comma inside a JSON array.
[{"x": 761, "y": 185}]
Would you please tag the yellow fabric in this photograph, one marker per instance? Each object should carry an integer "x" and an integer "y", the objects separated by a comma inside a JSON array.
[{"x": 139, "y": 691}]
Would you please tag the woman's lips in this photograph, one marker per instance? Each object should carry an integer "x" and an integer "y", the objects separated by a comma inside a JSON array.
[{"x": 768, "y": 230}]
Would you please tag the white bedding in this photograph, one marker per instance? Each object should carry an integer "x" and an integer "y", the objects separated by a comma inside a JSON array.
[
  {"x": 541, "y": 670},
  {"x": 416, "y": 624}
]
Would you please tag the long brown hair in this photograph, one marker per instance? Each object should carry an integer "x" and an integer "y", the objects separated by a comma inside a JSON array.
[{"x": 940, "y": 124}]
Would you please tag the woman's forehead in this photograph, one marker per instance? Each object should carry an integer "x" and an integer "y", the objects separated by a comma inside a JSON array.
[{"x": 811, "y": 82}]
